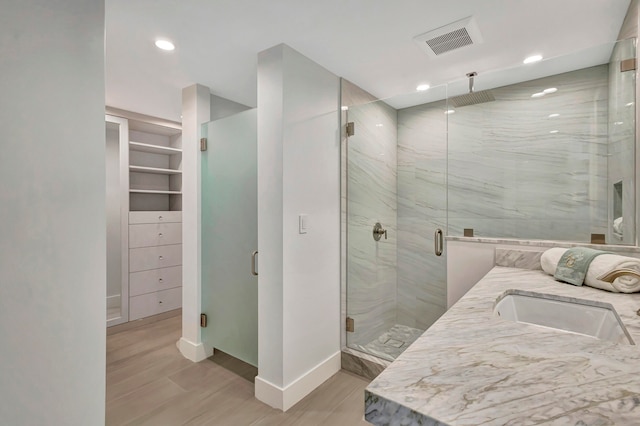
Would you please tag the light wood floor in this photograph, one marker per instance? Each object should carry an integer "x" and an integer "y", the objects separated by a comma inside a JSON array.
[{"x": 150, "y": 383}]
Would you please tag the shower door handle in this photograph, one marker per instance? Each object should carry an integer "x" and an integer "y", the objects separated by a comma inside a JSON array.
[
  {"x": 253, "y": 263},
  {"x": 438, "y": 242}
]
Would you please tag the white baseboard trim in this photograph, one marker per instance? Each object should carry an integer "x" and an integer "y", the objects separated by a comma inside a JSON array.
[
  {"x": 287, "y": 397},
  {"x": 195, "y": 352},
  {"x": 113, "y": 301}
]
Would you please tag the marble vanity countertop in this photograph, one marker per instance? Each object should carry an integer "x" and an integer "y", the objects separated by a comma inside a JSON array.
[{"x": 474, "y": 368}]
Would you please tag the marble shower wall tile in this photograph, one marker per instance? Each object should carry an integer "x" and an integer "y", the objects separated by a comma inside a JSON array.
[
  {"x": 422, "y": 208},
  {"x": 509, "y": 176},
  {"x": 371, "y": 180},
  {"x": 621, "y": 166}
]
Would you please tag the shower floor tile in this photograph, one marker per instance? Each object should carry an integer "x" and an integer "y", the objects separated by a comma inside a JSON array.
[{"x": 392, "y": 342}]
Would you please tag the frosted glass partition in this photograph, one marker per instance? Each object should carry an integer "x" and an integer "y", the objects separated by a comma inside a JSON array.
[
  {"x": 546, "y": 158},
  {"x": 230, "y": 235}
]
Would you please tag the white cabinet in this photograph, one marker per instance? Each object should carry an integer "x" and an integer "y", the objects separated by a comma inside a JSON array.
[
  {"x": 155, "y": 263},
  {"x": 153, "y": 280},
  {"x": 154, "y": 303},
  {"x": 151, "y": 187},
  {"x": 154, "y": 217},
  {"x": 154, "y": 234},
  {"x": 155, "y": 167}
]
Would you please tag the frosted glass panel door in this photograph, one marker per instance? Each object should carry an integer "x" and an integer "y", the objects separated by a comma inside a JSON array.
[{"x": 230, "y": 235}]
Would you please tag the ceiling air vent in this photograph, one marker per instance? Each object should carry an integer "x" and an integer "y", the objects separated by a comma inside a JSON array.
[{"x": 450, "y": 37}]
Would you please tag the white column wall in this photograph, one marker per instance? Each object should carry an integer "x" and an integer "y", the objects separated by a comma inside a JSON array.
[
  {"x": 298, "y": 173},
  {"x": 195, "y": 112},
  {"x": 52, "y": 210},
  {"x": 270, "y": 213}
]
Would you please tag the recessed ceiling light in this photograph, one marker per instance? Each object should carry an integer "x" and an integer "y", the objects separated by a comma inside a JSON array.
[
  {"x": 379, "y": 125},
  {"x": 554, "y": 115},
  {"x": 422, "y": 87},
  {"x": 532, "y": 59},
  {"x": 550, "y": 90},
  {"x": 344, "y": 108},
  {"x": 630, "y": 104},
  {"x": 165, "y": 45},
  {"x": 617, "y": 123},
  {"x": 538, "y": 95},
  {"x": 554, "y": 131},
  {"x": 450, "y": 111}
]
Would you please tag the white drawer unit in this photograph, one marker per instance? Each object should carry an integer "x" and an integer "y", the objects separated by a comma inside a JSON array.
[
  {"x": 154, "y": 234},
  {"x": 146, "y": 258},
  {"x": 154, "y": 280},
  {"x": 155, "y": 217},
  {"x": 154, "y": 303},
  {"x": 155, "y": 262}
]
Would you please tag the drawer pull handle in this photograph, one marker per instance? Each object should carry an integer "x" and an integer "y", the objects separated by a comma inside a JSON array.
[
  {"x": 160, "y": 279},
  {"x": 160, "y": 257},
  {"x": 160, "y": 301},
  {"x": 159, "y": 217},
  {"x": 159, "y": 234}
]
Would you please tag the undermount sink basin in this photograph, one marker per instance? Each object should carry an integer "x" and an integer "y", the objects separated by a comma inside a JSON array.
[{"x": 579, "y": 316}]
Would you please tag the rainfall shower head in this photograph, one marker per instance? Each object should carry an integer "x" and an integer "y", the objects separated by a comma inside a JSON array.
[{"x": 472, "y": 98}]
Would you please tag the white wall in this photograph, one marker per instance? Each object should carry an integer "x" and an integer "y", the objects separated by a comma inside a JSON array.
[
  {"x": 222, "y": 107},
  {"x": 52, "y": 205},
  {"x": 298, "y": 173}
]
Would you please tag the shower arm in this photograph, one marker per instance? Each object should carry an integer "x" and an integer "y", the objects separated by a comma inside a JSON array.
[{"x": 471, "y": 76}]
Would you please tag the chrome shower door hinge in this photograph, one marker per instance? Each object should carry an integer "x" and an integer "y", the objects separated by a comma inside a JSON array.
[
  {"x": 203, "y": 320},
  {"x": 351, "y": 128},
  {"x": 203, "y": 144},
  {"x": 350, "y": 325}
]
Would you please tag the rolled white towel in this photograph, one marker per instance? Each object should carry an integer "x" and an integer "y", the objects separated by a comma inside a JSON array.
[
  {"x": 618, "y": 226},
  {"x": 600, "y": 265},
  {"x": 550, "y": 258}
]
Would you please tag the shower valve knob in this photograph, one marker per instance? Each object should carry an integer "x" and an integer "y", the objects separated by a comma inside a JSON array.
[{"x": 379, "y": 231}]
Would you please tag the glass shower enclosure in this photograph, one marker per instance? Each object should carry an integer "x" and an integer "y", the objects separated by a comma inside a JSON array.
[
  {"x": 395, "y": 220},
  {"x": 545, "y": 157}
]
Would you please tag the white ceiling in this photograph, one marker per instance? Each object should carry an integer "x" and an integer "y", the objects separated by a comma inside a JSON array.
[{"x": 369, "y": 42}]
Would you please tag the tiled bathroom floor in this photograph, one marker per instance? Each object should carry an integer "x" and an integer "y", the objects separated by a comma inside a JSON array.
[{"x": 392, "y": 342}]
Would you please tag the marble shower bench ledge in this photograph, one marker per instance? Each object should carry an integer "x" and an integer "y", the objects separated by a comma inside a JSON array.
[{"x": 474, "y": 368}]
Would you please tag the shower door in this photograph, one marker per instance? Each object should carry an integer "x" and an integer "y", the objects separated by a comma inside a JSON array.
[
  {"x": 396, "y": 177},
  {"x": 230, "y": 236}
]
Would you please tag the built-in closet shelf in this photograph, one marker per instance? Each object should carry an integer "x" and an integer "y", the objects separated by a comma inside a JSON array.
[
  {"x": 153, "y": 149},
  {"x": 151, "y": 191},
  {"x": 155, "y": 170}
]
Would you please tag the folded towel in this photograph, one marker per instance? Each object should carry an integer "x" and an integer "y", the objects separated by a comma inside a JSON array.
[
  {"x": 600, "y": 265},
  {"x": 574, "y": 263}
]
